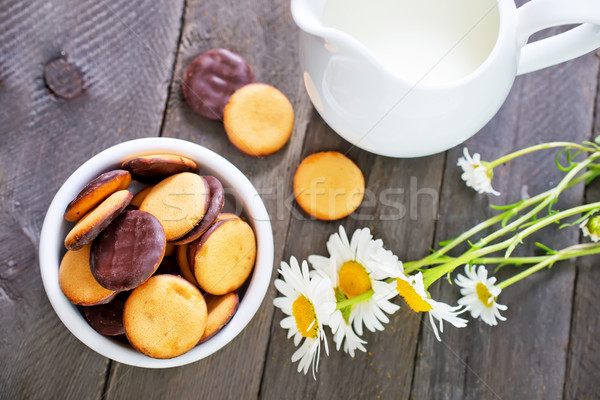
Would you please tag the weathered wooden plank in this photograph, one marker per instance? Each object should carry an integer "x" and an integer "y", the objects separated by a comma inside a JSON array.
[
  {"x": 400, "y": 206},
  {"x": 125, "y": 50},
  {"x": 582, "y": 376},
  {"x": 523, "y": 357},
  {"x": 262, "y": 32}
]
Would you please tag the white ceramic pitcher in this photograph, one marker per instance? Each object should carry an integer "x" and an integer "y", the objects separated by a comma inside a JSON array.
[{"x": 425, "y": 99}]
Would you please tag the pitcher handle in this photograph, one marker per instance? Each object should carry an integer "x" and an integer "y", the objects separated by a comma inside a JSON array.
[{"x": 541, "y": 14}]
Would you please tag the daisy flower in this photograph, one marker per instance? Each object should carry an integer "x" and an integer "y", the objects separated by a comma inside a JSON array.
[
  {"x": 412, "y": 289},
  {"x": 308, "y": 303},
  {"x": 356, "y": 267},
  {"x": 476, "y": 173},
  {"x": 591, "y": 228},
  {"x": 479, "y": 294}
]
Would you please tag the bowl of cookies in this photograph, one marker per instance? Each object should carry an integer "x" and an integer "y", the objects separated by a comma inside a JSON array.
[{"x": 156, "y": 252}]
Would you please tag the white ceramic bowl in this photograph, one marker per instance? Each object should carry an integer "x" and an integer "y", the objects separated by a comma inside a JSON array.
[{"x": 55, "y": 228}]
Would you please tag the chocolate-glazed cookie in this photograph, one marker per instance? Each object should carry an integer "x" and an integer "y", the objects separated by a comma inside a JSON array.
[
  {"x": 153, "y": 168},
  {"x": 107, "y": 319},
  {"x": 95, "y": 192},
  {"x": 129, "y": 251},
  {"x": 211, "y": 78},
  {"x": 217, "y": 199}
]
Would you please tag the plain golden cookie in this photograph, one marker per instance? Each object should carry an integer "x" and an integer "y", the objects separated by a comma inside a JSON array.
[
  {"x": 94, "y": 222},
  {"x": 258, "y": 119},
  {"x": 165, "y": 316},
  {"x": 183, "y": 264},
  {"x": 95, "y": 192},
  {"x": 140, "y": 196},
  {"x": 328, "y": 185},
  {"x": 77, "y": 282},
  {"x": 220, "y": 311},
  {"x": 225, "y": 256},
  {"x": 179, "y": 202}
]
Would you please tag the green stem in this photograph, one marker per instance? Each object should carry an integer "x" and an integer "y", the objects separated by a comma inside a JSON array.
[
  {"x": 592, "y": 248},
  {"x": 360, "y": 298},
  {"x": 531, "y": 149},
  {"x": 430, "y": 259},
  {"x": 434, "y": 274},
  {"x": 560, "y": 255},
  {"x": 355, "y": 300}
]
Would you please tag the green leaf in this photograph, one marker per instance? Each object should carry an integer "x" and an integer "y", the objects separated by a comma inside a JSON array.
[
  {"x": 596, "y": 140},
  {"x": 339, "y": 297},
  {"x": 545, "y": 248},
  {"x": 445, "y": 242},
  {"x": 570, "y": 165},
  {"x": 506, "y": 207}
]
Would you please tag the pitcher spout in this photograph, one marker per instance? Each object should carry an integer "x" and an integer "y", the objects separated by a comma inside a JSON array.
[{"x": 307, "y": 16}]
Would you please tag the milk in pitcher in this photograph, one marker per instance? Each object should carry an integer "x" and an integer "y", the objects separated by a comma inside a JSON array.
[{"x": 421, "y": 41}]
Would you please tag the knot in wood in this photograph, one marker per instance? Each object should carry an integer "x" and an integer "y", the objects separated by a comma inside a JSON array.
[{"x": 63, "y": 78}]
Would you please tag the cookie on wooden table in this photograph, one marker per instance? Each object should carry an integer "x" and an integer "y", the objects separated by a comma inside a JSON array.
[
  {"x": 94, "y": 222},
  {"x": 224, "y": 257},
  {"x": 179, "y": 202},
  {"x": 77, "y": 282},
  {"x": 165, "y": 317},
  {"x": 258, "y": 119},
  {"x": 328, "y": 185},
  {"x": 152, "y": 168},
  {"x": 95, "y": 192},
  {"x": 211, "y": 78}
]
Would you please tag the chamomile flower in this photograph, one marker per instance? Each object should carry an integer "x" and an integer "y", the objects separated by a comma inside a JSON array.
[
  {"x": 591, "y": 228},
  {"x": 476, "y": 173},
  {"x": 308, "y": 303},
  {"x": 412, "y": 289},
  {"x": 479, "y": 294},
  {"x": 355, "y": 267}
]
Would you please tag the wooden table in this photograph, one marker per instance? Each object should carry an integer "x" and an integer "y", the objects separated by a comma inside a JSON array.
[{"x": 132, "y": 54}]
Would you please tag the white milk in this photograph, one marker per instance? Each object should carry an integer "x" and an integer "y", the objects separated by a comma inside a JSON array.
[{"x": 423, "y": 41}]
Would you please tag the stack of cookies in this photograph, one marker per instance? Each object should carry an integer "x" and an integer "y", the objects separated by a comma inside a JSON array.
[{"x": 161, "y": 267}]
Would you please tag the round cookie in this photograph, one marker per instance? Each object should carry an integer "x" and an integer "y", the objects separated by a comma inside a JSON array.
[
  {"x": 179, "y": 202},
  {"x": 77, "y": 282},
  {"x": 155, "y": 167},
  {"x": 211, "y": 78},
  {"x": 140, "y": 196},
  {"x": 94, "y": 222},
  {"x": 258, "y": 119},
  {"x": 107, "y": 319},
  {"x": 181, "y": 255},
  {"x": 225, "y": 256},
  {"x": 165, "y": 317},
  {"x": 217, "y": 200},
  {"x": 95, "y": 192},
  {"x": 129, "y": 251},
  {"x": 220, "y": 311},
  {"x": 328, "y": 185}
]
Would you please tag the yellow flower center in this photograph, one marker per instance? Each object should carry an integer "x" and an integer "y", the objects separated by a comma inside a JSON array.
[
  {"x": 411, "y": 297},
  {"x": 484, "y": 294},
  {"x": 353, "y": 279},
  {"x": 305, "y": 316}
]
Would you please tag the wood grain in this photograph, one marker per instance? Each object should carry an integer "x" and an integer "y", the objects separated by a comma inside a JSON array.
[
  {"x": 264, "y": 34},
  {"x": 582, "y": 380},
  {"x": 529, "y": 349},
  {"x": 400, "y": 205},
  {"x": 44, "y": 138}
]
